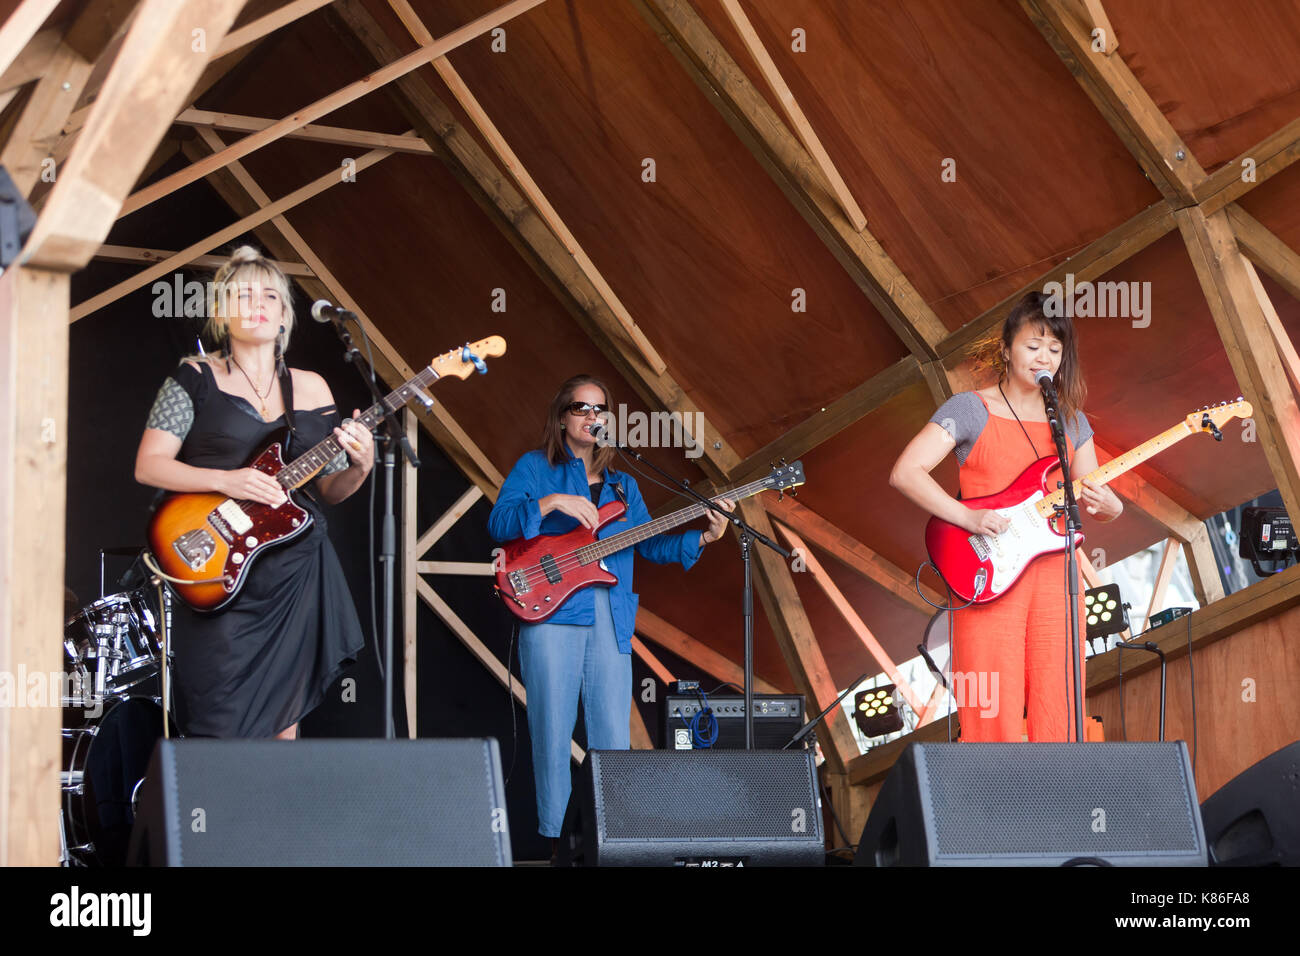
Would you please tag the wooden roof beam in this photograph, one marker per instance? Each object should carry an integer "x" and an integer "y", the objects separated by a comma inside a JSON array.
[
  {"x": 1120, "y": 98},
  {"x": 1239, "y": 309},
  {"x": 263, "y": 26},
  {"x": 1092, "y": 261},
  {"x": 1262, "y": 161},
  {"x": 784, "y": 158},
  {"x": 695, "y": 652},
  {"x": 139, "y": 256},
  {"x": 852, "y": 553},
  {"x": 20, "y": 28},
  {"x": 794, "y": 114},
  {"x": 1279, "y": 261},
  {"x": 242, "y": 193},
  {"x": 522, "y": 225},
  {"x": 337, "y": 135},
  {"x": 206, "y": 244},
  {"x": 526, "y": 184},
  {"x": 327, "y": 104},
  {"x": 798, "y": 643},
  {"x": 30, "y": 61}
]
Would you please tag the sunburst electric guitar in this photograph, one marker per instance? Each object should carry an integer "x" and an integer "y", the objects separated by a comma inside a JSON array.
[
  {"x": 539, "y": 574},
  {"x": 209, "y": 542},
  {"x": 980, "y": 568}
]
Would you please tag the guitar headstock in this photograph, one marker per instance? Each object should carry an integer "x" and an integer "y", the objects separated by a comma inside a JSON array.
[
  {"x": 464, "y": 360},
  {"x": 1209, "y": 418},
  {"x": 784, "y": 476}
]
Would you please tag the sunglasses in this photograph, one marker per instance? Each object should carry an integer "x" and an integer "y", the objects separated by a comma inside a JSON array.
[{"x": 582, "y": 408}]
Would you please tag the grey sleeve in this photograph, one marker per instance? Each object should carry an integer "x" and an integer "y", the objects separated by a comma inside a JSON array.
[
  {"x": 963, "y": 417},
  {"x": 173, "y": 410},
  {"x": 1079, "y": 430},
  {"x": 336, "y": 464}
]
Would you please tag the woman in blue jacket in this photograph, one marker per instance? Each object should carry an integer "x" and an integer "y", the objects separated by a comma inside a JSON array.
[{"x": 585, "y": 648}]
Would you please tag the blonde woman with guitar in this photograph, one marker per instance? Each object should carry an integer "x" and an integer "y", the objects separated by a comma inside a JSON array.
[{"x": 265, "y": 659}]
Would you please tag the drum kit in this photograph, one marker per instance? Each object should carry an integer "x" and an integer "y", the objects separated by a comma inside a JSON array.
[{"x": 112, "y": 716}]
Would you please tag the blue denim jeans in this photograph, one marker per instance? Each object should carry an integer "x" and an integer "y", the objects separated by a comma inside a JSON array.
[{"x": 559, "y": 662}]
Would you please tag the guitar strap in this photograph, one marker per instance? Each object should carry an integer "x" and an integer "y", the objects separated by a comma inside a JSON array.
[{"x": 286, "y": 393}]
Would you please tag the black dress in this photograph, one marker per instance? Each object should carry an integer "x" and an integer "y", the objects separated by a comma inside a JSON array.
[{"x": 266, "y": 660}]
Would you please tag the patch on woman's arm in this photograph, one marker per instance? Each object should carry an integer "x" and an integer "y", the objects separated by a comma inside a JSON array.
[{"x": 173, "y": 410}]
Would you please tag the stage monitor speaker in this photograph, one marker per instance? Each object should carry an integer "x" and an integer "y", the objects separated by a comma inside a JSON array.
[
  {"x": 322, "y": 803},
  {"x": 1018, "y": 804},
  {"x": 1254, "y": 818},
  {"x": 695, "y": 808}
]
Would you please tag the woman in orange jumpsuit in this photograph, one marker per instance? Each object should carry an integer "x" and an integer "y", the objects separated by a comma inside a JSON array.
[{"x": 1010, "y": 657}]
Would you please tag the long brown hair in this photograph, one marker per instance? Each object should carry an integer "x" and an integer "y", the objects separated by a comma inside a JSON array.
[
  {"x": 991, "y": 350},
  {"x": 553, "y": 430}
]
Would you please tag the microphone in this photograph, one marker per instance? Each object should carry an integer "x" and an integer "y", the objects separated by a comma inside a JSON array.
[
  {"x": 323, "y": 311},
  {"x": 1043, "y": 379},
  {"x": 599, "y": 432}
]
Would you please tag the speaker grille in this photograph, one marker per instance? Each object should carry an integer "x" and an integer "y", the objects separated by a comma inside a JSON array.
[
  {"x": 1089, "y": 800},
  {"x": 336, "y": 803},
  {"x": 674, "y": 796}
]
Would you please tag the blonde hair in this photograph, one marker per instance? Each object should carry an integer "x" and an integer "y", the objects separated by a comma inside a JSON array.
[{"x": 245, "y": 265}]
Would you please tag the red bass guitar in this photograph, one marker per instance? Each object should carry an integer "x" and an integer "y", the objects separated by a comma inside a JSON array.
[
  {"x": 539, "y": 574},
  {"x": 980, "y": 568},
  {"x": 208, "y": 542}
]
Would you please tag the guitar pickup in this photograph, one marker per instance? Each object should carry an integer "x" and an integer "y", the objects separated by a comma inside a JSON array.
[
  {"x": 551, "y": 568},
  {"x": 980, "y": 546}
]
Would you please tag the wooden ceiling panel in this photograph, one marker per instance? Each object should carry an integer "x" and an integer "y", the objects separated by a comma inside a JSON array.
[
  {"x": 895, "y": 89},
  {"x": 584, "y": 93},
  {"x": 1226, "y": 77}
]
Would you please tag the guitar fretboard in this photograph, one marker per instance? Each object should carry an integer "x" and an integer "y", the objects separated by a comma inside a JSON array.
[
  {"x": 306, "y": 466},
  {"x": 1117, "y": 466},
  {"x": 607, "y": 546}
]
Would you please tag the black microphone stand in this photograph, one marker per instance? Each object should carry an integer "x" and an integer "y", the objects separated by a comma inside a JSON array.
[
  {"x": 394, "y": 436},
  {"x": 1073, "y": 525},
  {"x": 747, "y": 535}
]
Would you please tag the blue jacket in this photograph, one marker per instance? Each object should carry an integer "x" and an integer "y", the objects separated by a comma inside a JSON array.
[{"x": 518, "y": 515}]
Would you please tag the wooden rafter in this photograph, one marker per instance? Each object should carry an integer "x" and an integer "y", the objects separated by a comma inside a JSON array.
[
  {"x": 1120, "y": 98},
  {"x": 1096, "y": 19},
  {"x": 206, "y": 244},
  {"x": 852, "y": 553},
  {"x": 779, "y": 152},
  {"x": 793, "y": 113},
  {"x": 20, "y": 27},
  {"x": 31, "y": 60},
  {"x": 854, "y": 621},
  {"x": 1180, "y": 523},
  {"x": 695, "y": 652},
  {"x": 139, "y": 256},
  {"x": 523, "y": 226},
  {"x": 262, "y": 26},
  {"x": 1164, "y": 574},
  {"x": 1239, "y": 315},
  {"x": 244, "y": 195},
  {"x": 206, "y": 119},
  {"x": 327, "y": 104},
  {"x": 32, "y": 141},
  {"x": 1093, "y": 260},
  {"x": 512, "y": 165},
  {"x": 1262, "y": 161},
  {"x": 1279, "y": 261},
  {"x": 794, "y": 635},
  {"x": 1286, "y": 351}
]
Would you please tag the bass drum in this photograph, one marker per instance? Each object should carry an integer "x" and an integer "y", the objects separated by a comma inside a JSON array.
[{"x": 106, "y": 760}]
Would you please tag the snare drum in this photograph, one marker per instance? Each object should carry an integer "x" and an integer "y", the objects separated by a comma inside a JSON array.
[
  {"x": 106, "y": 760},
  {"x": 118, "y": 635}
]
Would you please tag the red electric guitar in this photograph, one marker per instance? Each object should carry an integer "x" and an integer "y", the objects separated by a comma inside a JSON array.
[
  {"x": 209, "y": 541},
  {"x": 539, "y": 574},
  {"x": 980, "y": 568}
]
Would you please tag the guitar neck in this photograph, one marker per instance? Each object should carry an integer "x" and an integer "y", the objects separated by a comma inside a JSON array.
[
  {"x": 307, "y": 465},
  {"x": 1117, "y": 466},
  {"x": 625, "y": 539}
]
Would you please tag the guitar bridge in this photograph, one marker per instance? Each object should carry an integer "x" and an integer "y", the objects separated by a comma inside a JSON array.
[
  {"x": 979, "y": 544},
  {"x": 519, "y": 581},
  {"x": 195, "y": 548}
]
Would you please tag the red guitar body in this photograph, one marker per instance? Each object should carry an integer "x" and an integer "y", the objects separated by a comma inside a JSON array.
[
  {"x": 981, "y": 568},
  {"x": 535, "y": 594}
]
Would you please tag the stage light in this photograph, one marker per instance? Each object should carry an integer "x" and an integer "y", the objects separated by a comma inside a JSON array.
[
  {"x": 876, "y": 711},
  {"x": 1104, "y": 611},
  {"x": 1267, "y": 535}
]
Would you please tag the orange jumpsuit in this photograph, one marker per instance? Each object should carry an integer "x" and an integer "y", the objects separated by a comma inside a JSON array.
[{"x": 1012, "y": 655}]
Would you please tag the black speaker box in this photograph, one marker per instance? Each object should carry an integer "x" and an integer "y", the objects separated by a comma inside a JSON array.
[
  {"x": 695, "y": 808},
  {"x": 1254, "y": 818},
  {"x": 1018, "y": 804},
  {"x": 322, "y": 803}
]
